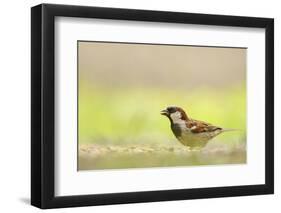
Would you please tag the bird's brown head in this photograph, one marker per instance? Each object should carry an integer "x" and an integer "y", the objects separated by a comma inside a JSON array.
[{"x": 174, "y": 113}]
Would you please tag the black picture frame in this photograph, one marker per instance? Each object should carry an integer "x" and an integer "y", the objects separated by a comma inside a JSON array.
[{"x": 43, "y": 102}]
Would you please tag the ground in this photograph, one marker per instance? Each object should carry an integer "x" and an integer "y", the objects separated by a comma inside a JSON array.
[{"x": 93, "y": 156}]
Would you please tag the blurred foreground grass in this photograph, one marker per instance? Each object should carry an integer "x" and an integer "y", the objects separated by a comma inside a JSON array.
[{"x": 122, "y": 127}]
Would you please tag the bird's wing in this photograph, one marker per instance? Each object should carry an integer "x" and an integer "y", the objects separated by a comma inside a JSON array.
[{"x": 200, "y": 126}]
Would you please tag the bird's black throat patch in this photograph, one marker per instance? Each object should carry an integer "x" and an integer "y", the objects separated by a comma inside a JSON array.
[{"x": 176, "y": 129}]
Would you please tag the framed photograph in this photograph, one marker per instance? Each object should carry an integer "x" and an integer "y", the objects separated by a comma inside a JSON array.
[{"x": 139, "y": 106}]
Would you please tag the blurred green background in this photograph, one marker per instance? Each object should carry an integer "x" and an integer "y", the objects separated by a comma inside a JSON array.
[{"x": 123, "y": 87}]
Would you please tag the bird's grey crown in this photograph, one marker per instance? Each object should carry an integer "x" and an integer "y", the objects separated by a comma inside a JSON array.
[{"x": 172, "y": 109}]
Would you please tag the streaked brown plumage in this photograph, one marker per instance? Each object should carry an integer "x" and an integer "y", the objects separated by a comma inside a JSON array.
[{"x": 190, "y": 132}]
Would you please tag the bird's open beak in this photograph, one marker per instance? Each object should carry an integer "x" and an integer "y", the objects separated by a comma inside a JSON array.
[{"x": 164, "y": 112}]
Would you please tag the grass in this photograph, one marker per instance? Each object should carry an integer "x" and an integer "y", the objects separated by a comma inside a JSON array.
[{"x": 125, "y": 115}]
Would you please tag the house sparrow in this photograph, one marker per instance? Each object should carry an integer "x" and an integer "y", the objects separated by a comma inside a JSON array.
[{"x": 190, "y": 132}]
